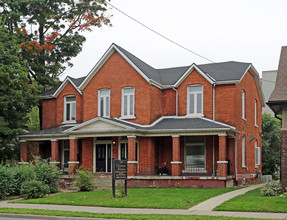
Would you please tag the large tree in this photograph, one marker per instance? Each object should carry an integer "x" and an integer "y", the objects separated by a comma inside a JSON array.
[
  {"x": 17, "y": 93},
  {"x": 271, "y": 144},
  {"x": 50, "y": 32}
]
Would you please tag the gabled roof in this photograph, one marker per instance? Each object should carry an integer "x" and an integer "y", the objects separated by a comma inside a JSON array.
[{"x": 227, "y": 72}]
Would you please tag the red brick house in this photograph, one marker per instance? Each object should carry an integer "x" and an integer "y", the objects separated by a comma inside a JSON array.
[{"x": 202, "y": 121}]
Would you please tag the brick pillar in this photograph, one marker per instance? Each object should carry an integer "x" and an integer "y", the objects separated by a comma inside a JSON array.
[
  {"x": 55, "y": 152},
  {"x": 73, "y": 163},
  {"x": 132, "y": 163},
  {"x": 23, "y": 151},
  {"x": 283, "y": 175},
  {"x": 176, "y": 162},
  {"x": 222, "y": 163}
]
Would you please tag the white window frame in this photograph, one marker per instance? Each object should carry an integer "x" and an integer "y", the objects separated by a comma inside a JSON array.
[
  {"x": 129, "y": 115},
  {"x": 243, "y": 105},
  {"x": 65, "y": 109},
  {"x": 255, "y": 114},
  {"x": 243, "y": 151},
  {"x": 188, "y": 93},
  {"x": 105, "y": 103},
  {"x": 257, "y": 155}
]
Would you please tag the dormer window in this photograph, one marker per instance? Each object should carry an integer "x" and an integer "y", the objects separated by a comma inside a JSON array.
[
  {"x": 128, "y": 100},
  {"x": 70, "y": 109},
  {"x": 195, "y": 100},
  {"x": 104, "y": 102}
]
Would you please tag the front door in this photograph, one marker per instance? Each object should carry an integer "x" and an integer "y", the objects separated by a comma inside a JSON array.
[{"x": 103, "y": 157}]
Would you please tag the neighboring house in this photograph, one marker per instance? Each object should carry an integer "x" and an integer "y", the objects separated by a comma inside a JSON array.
[
  {"x": 268, "y": 81},
  {"x": 202, "y": 121},
  {"x": 278, "y": 103}
]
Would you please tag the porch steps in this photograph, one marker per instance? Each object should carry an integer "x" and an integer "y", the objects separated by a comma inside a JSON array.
[{"x": 103, "y": 182}]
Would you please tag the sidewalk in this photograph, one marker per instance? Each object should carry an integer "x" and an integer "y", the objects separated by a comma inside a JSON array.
[{"x": 204, "y": 208}]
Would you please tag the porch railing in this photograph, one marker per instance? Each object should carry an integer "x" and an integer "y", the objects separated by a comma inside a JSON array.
[
  {"x": 154, "y": 169},
  {"x": 194, "y": 168}
]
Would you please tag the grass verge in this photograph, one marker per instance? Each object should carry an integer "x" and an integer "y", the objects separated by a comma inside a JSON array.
[
  {"x": 253, "y": 201},
  {"x": 113, "y": 216},
  {"x": 161, "y": 198}
]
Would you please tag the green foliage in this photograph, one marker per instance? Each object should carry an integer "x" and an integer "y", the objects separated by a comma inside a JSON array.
[
  {"x": 271, "y": 134},
  {"x": 5, "y": 181},
  {"x": 47, "y": 173},
  {"x": 84, "y": 181},
  {"x": 33, "y": 122},
  {"x": 49, "y": 32},
  {"x": 34, "y": 189},
  {"x": 272, "y": 188},
  {"x": 17, "y": 94}
]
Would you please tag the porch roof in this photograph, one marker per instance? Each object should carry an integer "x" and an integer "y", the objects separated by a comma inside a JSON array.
[{"x": 164, "y": 126}]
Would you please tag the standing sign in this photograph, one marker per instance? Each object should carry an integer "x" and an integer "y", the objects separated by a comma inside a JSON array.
[{"x": 119, "y": 172}]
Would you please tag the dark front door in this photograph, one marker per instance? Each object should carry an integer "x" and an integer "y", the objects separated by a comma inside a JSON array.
[{"x": 103, "y": 157}]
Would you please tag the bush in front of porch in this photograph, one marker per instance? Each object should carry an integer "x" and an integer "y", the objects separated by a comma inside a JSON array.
[{"x": 162, "y": 198}]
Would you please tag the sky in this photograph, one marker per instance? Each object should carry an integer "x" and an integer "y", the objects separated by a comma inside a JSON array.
[{"x": 250, "y": 31}]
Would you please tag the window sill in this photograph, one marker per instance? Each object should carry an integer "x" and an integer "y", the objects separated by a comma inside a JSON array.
[
  {"x": 244, "y": 167},
  {"x": 127, "y": 117},
  {"x": 69, "y": 122},
  {"x": 195, "y": 115}
]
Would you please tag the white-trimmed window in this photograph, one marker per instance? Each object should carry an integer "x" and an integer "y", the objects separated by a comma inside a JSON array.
[
  {"x": 128, "y": 102},
  {"x": 69, "y": 108},
  {"x": 255, "y": 114},
  {"x": 243, "y": 151},
  {"x": 195, "y": 100},
  {"x": 257, "y": 154},
  {"x": 104, "y": 102},
  {"x": 243, "y": 105}
]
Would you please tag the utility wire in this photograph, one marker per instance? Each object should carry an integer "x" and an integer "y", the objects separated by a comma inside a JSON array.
[{"x": 159, "y": 34}]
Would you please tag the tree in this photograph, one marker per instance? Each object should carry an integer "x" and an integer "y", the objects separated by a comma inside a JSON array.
[
  {"x": 49, "y": 32},
  {"x": 17, "y": 94},
  {"x": 271, "y": 145}
]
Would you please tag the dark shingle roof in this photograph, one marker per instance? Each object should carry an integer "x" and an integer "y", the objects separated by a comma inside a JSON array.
[
  {"x": 50, "y": 131},
  {"x": 226, "y": 71}
]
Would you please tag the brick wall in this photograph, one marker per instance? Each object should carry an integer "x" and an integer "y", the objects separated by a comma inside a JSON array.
[
  {"x": 87, "y": 154},
  {"x": 49, "y": 113}
]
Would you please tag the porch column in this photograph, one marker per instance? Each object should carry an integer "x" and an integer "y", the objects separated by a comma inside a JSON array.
[
  {"x": 73, "y": 155},
  {"x": 222, "y": 163},
  {"x": 132, "y": 163},
  {"x": 176, "y": 163},
  {"x": 55, "y": 151},
  {"x": 23, "y": 152}
]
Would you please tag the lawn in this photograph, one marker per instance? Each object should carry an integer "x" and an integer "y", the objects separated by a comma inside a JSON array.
[
  {"x": 252, "y": 201},
  {"x": 113, "y": 216},
  {"x": 161, "y": 198}
]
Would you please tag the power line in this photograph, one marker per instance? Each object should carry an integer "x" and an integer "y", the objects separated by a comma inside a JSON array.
[{"x": 159, "y": 34}]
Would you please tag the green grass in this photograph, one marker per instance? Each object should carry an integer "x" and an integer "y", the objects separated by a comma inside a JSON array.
[
  {"x": 252, "y": 201},
  {"x": 161, "y": 198},
  {"x": 113, "y": 216}
]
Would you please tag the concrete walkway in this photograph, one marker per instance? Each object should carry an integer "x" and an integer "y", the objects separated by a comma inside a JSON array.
[{"x": 204, "y": 208}]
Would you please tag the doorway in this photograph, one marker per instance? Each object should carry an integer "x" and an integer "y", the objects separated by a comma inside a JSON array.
[{"x": 103, "y": 158}]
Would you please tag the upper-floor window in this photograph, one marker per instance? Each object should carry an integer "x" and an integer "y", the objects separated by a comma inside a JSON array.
[
  {"x": 70, "y": 108},
  {"x": 104, "y": 102},
  {"x": 128, "y": 102},
  {"x": 195, "y": 99},
  {"x": 243, "y": 151},
  {"x": 257, "y": 154},
  {"x": 243, "y": 105},
  {"x": 255, "y": 115}
]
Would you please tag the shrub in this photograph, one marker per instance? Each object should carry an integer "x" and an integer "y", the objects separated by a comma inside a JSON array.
[
  {"x": 272, "y": 188},
  {"x": 5, "y": 181},
  {"x": 47, "y": 173},
  {"x": 84, "y": 181},
  {"x": 34, "y": 189}
]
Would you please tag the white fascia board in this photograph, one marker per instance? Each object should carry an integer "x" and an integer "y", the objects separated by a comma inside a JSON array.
[
  {"x": 98, "y": 65},
  {"x": 226, "y": 82},
  {"x": 220, "y": 123},
  {"x": 94, "y": 120},
  {"x": 63, "y": 85},
  {"x": 245, "y": 72},
  {"x": 192, "y": 67},
  {"x": 132, "y": 64},
  {"x": 47, "y": 97},
  {"x": 156, "y": 84},
  {"x": 146, "y": 126}
]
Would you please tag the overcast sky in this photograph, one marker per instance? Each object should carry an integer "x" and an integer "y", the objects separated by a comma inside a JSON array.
[{"x": 221, "y": 30}]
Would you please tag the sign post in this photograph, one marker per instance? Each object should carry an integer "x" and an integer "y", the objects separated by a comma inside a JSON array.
[{"x": 119, "y": 172}]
